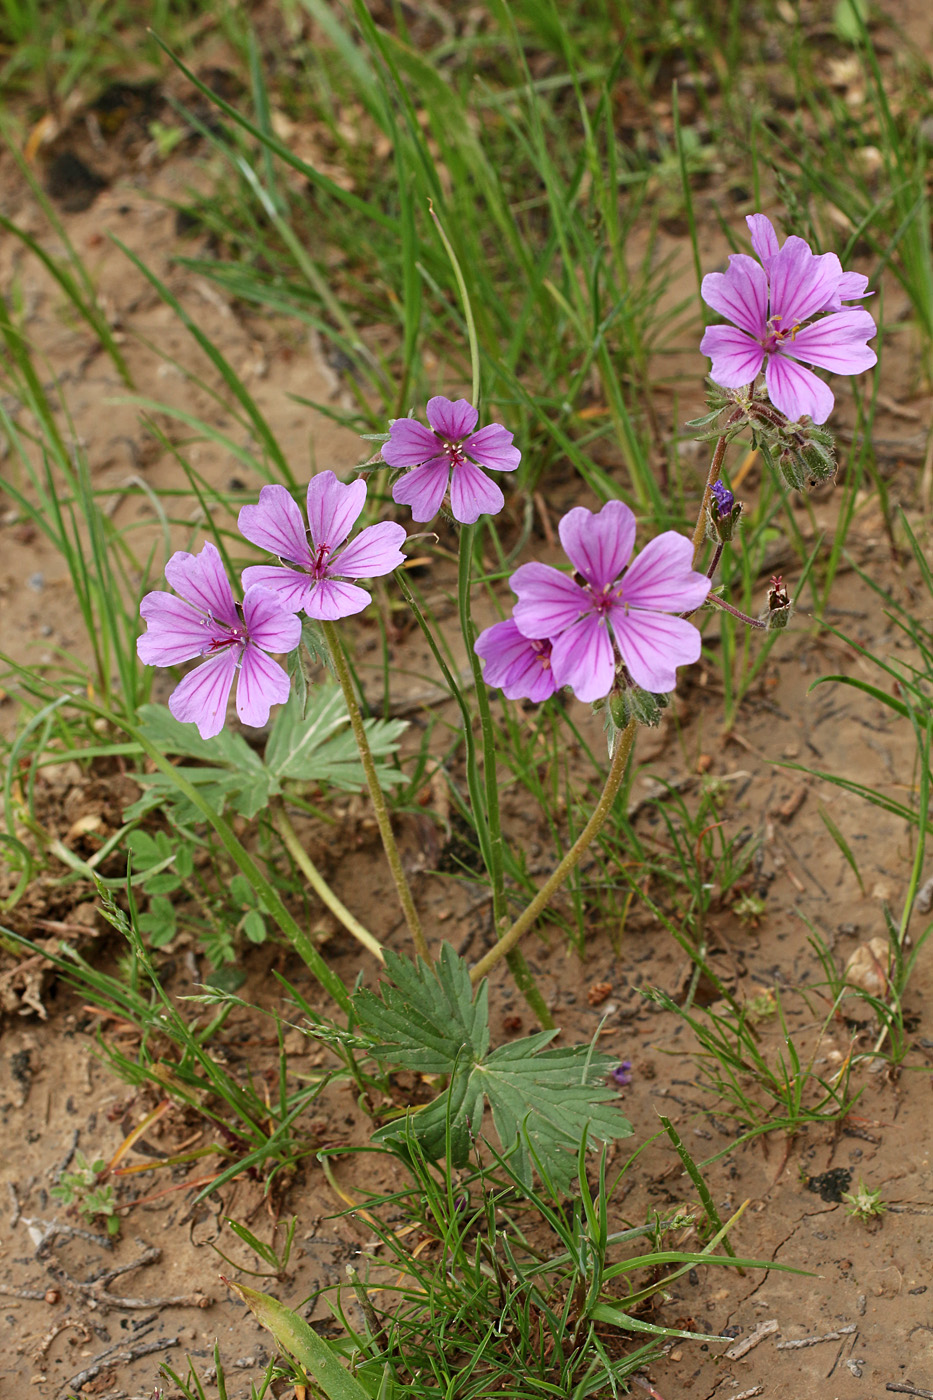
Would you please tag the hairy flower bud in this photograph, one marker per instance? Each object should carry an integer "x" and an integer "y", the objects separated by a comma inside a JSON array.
[
  {"x": 640, "y": 705},
  {"x": 780, "y": 607},
  {"x": 724, "y": 512}
]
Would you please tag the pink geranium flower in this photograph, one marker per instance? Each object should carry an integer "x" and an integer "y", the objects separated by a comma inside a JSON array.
[
  {"x": 313, "y": 566},
  {"x": 519, "y": 666},
  {"x": 852, "y": 286},
  {"x": 612, "y": 601},
  {"x": 772, "y": 311},
  {"x": 449, "y": 456},
  {"x": 204, "y": 620}
]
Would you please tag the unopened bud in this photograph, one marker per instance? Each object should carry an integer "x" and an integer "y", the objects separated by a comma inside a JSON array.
[
  {"x": 640, "y": 705},
  {"x": 780, "y": 608},
  {"x": 724, "y": 512}
]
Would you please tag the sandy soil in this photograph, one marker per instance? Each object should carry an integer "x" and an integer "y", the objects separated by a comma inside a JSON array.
[{"x": 857, "y": 1319}]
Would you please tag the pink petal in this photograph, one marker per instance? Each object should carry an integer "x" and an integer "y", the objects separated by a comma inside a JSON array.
[
  {"x": 663, "y": 577},
  {"x": 736, "y": 358},
  {"x": 797, "y": 391},
  {"x": 740, "y": 294},
  {"x": 472, "y": 494},
  {"x": 548, "y": 601},
  {"x": 582, "y": 657},
  {"x": 276, "y": 524},
  {"x": 289, "y": 586},
  {"x": 410, "y": 443},
  {"x": 764, "y": 238},
  {"x": 331, "y": 599},
  {"x": 333, "y": 508},
  {"x": 836, "y": 342},
  {"x": 423, "y": 488},
  {"x": 801, "y": 283},
  {"x": 262, "y": 683},
  {"x": 375, "y": 551},
  {"x": 853, "y": 286},
  {"x": 514, "y": 665},
  {"x": 201, "y": 698},
  {"x": 453, "y": 419},
  {"x": 492, "y": 448},
  {"x": 653, "y": 645},
  {"x": 598, "y": 545},
  {"x": 202, "y": 579},
  {"x": 270, "y": 625},
  {"x": 177, "y": 631}
]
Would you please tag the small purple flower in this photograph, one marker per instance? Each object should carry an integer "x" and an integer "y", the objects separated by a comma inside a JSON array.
[
  {"x": 449, "y": 454},
  {"x": 609, "y": 598},
  {"x": 204, "y": 620},
  {"x": 622, "y": 1074},
  {"x": 313, "y": 565},
  {"x": 772, "y": 313},
  {"x": 723, "y": 497},
  {"x": 519, "y": 666}
]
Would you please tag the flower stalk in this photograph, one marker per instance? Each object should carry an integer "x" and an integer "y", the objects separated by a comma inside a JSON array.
[
  {"x": 383, "y": 821},
  {"x": 321, "y": 888}
]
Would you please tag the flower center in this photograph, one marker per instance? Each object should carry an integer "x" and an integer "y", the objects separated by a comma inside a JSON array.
[
  {"x": 235, "y": 637},
  {"x": 775, "y": 336},
  {"x": 455, "y": 453}
]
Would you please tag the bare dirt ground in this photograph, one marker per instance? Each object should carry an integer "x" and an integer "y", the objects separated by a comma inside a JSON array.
[{"x": 860, "y": 1316}]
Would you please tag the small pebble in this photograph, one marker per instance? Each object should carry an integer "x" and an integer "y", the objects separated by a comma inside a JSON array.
[{"x": 36, "y": 582}]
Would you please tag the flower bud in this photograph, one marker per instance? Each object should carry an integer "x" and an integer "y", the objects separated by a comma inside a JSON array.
[
  {"x": 640, "y": 705},
  {"x": 724, "y": 512},
  {"x": 780, "y": 607}
]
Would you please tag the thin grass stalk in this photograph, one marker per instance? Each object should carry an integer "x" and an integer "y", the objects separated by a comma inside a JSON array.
[{"x": 320, "y": 886}]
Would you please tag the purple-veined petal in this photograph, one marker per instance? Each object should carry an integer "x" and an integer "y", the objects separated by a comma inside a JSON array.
[
  {"x": 653, "y": 645},
  {"x": 269, "y": 624},
  {"x": 663, "y": 578},
  {"x": 410, "y": 443},
  {"x": 548, "y": 601},
  {"x": 598, "y": 544},
  {"x": 375, "y": 551},
  {"x": 453, "y": 419},
  {"x": 517, "y": 665},
  {"x": 764, "y": 238},
  {"x": 261, "y": 683},
  {"x": 177, "y": 631},
  {"x": 801, "y": 283},
  {"x": 201, "y": 698},
  {"x": 472, "y": 494},
  {"x": 423, "y": 488},
  {"x": 202, "y": 579},
  {"x": 853, "y": 286},
  {"x": 740, "y": 293},
  {"x": 331, "y": 599},
  {"x": 797, "y": 391},
  {"x": 289, "y": 586},
  {"x": 582, "y": 657},
  {"x": 276, "y": 524},
  {"x": 333, "y": 508},
  {"x": 492, "y": 448},
  {"x": 737, "y": 359},
  {"x": 836, "y": 342}
]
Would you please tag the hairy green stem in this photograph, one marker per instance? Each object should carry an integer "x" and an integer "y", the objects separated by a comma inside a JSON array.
[
  {"x": 320, "y": 886},
  {"x": 715, "y": 467},
  {"x": 383, "y": 821},
  {"x": 742, "y": 617},
  {"x": 560, "y": 874}
]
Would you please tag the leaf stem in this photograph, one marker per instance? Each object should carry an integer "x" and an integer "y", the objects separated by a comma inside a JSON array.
[
  {"x": 320, "y": 886},
  {"x": 559, "y": 875},
  {"x": 342, "y": 672}
]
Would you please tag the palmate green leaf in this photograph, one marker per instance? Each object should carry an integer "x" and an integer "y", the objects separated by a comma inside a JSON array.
[
  {"x": 542, "y": 1101},
  {"x": 310, "y": 742},
  {"x": 318, "y": 746}
]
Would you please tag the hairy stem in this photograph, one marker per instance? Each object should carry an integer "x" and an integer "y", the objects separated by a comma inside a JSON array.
[
  {"x": 342, "y": 672},
  {"x": 560, "y": 874},
  {"x": 743, "y": 617},
  {"x": 320, "y": 886},
  {"x": 715, "y": 467}
]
